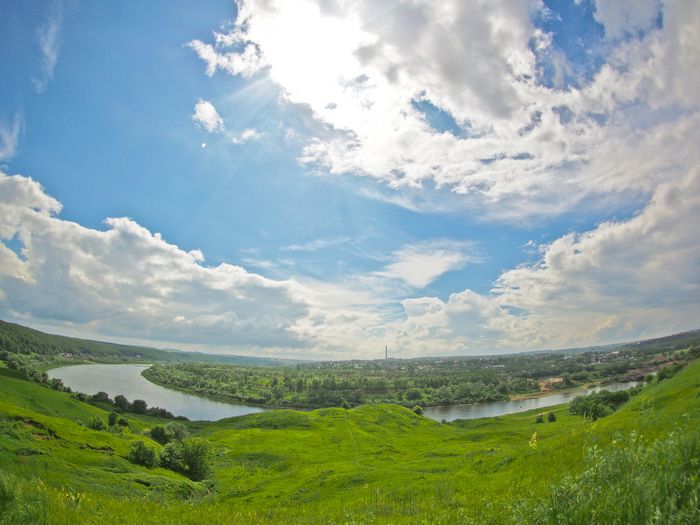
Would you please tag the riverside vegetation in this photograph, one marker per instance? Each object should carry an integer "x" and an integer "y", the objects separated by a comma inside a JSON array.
[
  {"x": 376, "y": 463},
  {"x": 425, "y": 381}
]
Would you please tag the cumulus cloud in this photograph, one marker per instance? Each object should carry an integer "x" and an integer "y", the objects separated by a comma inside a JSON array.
[
  {"x": 48, "y": 36},
  {"x": 128, "y": 280},
  {"x": 376, "y": 73},
  {"x": 623, "y": 280},
  {"x": 205, "y": 115}
]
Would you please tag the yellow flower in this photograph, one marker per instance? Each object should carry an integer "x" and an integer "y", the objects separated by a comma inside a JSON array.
[{"x": 533, "y": 441}]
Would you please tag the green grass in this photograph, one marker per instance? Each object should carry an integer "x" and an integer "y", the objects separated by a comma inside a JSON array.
[{"x": 372, "y": 464}]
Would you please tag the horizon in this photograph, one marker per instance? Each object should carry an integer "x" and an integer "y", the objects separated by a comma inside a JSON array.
[
  {"x": 304, "y": 180},
  {"x": 392, "y": 358}
]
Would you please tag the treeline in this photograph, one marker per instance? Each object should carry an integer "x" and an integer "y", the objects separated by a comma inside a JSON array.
[
  {"x": 600, "y": 404},
  {"x": 308, "y": 388}
]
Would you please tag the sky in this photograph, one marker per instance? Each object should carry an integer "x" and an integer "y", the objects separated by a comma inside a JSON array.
[{"x": 324, "y": 179}]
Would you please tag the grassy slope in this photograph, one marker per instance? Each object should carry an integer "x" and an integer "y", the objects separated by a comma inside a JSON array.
[{"x": 374, "y": 463}]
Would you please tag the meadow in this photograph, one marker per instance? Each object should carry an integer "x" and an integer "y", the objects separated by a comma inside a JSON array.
[{"x": 370, "y": 464}]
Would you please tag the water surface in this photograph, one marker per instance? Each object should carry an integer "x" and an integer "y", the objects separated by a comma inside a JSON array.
[
  {"x": 501, "y": 408},
  {"x": 128, "y": 381}
]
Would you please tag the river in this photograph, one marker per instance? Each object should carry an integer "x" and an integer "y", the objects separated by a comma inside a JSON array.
[{"x": 128, "y": 381}]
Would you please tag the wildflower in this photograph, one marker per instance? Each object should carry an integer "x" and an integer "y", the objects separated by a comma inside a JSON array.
[{"x": 533, "y": 441}]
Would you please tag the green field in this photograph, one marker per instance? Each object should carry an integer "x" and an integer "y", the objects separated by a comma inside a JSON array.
[{"x": 371, "y": 464}]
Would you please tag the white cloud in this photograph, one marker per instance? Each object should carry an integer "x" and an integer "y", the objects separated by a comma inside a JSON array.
[
  {"x": 246, "y": 64},
  {"x": 9, "y": 137},
  {"x": 249, "y": 134},
  {"x": 421, "y": 264},
  {"x": 205, "y": 114},
  {"x": 624, "y": 280},
  {"x": 525, "y": 149},
  {"x": 318, "y": 244},
  {"x": 50, "y": 44},
  {"x": 127, "y": 280}
]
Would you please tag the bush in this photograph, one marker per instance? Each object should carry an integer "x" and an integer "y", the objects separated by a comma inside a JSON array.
[
  {"x": 168, "y": 433},
  {"x": 142, "y": 454},
  {"x": 170, "y": 456},
  {"x": 540, "y": 419},
  {"x": 345, "y": 405},
  {"x": 418, "y": 410},
  {"x": 112, "y": 419},
  {"x": 195, "y": 457},
  {"x": 95, "y": 423},
  {"x": 551, "y": 417},
  {"x": 157, "y": 433},
  {"x": 176, "y": 431}
]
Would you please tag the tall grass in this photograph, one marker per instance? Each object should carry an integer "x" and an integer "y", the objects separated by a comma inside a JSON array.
[{"x": 630, "y": 482}]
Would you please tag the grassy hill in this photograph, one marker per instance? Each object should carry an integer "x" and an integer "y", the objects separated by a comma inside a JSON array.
[
  {"x": 17, "y": 339},
  {"x": 372, "y": 464}
]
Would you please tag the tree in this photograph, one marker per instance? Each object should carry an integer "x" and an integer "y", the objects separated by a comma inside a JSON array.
[
  {"x": 551, "y": 417},
  {"x": 112, "y": 418},
  {"x": 139, "y": 406},
  {"x": 414, "y": 394},
  {"x": 345, "y": 405},
  {"x": 196, "y": 454},
  {"x": 418, "y": 410},
  {"x": 648, "y": 378},
  {"x": 121, "y": 402},
  {"x": 540, "y": 419},
  {"x": 566, "y": 377}
]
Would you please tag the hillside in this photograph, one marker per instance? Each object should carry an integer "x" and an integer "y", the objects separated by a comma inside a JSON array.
[
  {"x": 17, "y": 339},
  {"x": 371, "y": 464}
]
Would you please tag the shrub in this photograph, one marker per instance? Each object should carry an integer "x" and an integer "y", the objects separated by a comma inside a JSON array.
[
  {"x": 170, "y": 456},
  {"x": 540, "y": 419},
  {"x": 418, "y": 410},
  {"x": 112, "y": 418},
  {"x": 142, "y": 454},
  {"x": 158, "y": 434},
  {"x": 176, "y": 431},
  {"x": 95, "y": 423},
  {"x": 551, "y": 417},
  {"x": 196, "y": 454}
]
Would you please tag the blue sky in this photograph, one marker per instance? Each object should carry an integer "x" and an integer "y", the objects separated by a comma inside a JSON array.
[{"x": 324, "y": 179}]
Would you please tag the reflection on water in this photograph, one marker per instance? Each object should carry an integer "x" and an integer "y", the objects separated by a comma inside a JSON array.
[
  {"x": 127, "y": 381},
  {"x": 502, "y": 408}
]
